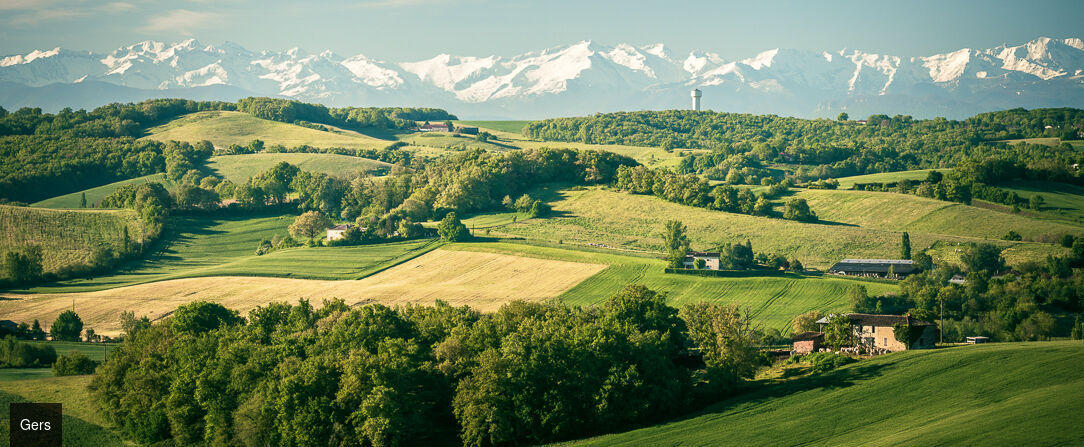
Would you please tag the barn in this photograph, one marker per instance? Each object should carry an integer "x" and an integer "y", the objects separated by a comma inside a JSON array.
[{"x": 879, "y": 268}]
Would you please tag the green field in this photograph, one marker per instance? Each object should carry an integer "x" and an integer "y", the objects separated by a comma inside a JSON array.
[
  {"x": 996, "y": 394},
  {"x": 887, "y": 177},
  {"x": 1060, "y": 199},
  {"x": 616, "y": 219},
  {"x": 83, "y": 422},
  {"x": 205, "y": 246},
  {"x": 772, "y": 301},
  {"x": 906, "y": 212},
  {"x": 238, "y": 168},
  {"x": 96, "y": 352},
  {"x": 503, "y": 126},
  {"x": 225, "y": 128},
  {"x": 95, "y": 195},
  {"x": 66, "y": 237}
]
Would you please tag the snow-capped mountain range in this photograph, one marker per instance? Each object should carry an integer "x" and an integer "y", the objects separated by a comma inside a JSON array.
[{"x": 578, "y": 79}]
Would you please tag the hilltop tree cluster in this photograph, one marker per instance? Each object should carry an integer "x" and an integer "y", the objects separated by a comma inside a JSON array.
[
  {"x": 436, "y": 375},
  {"x": 692, "y": 190}
]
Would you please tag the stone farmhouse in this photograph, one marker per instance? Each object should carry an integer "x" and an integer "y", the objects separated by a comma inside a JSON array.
[
  {"x": 335, "y": 233},
  {"x": 878, "y": 331}
]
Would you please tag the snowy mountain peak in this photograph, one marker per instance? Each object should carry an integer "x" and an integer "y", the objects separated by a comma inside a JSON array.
[{"x": 583, "y": 77}]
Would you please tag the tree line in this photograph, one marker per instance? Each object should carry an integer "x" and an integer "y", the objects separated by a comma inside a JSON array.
[
  {"x": 825, "y": 148},
  {"x": 437, "y": 375}
]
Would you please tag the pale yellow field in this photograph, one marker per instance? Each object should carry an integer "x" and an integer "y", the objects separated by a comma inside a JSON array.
[{"x": 484, "y": 281}]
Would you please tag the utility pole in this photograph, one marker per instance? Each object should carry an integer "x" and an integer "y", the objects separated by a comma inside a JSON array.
[{"x": 941, "y": 325}]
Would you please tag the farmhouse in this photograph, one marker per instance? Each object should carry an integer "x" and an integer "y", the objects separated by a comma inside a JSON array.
[
  {"x": 335, "y": 233},
  {"x": 878, "y": 331},
  {"x": 879, "y": 268},
  {"x": 807, "y": 342},
  {"x": 711, "y": 260}
]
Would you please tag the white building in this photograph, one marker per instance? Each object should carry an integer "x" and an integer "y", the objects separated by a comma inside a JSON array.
[
  {"x": 711, "y": 260},
  {"x": 335, "y": 233},
  {"x": 696, "y": 94}
]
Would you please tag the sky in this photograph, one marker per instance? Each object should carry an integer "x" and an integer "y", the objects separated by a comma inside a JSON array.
[{"x": 405, "y": 30}]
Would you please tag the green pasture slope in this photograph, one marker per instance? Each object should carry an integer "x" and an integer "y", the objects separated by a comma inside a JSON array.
[
  {"x": 238, "y": 168},
  {"x": 1001, "y": 394},
  {"x": 618, "y": 219},
  {"x": 224, "y": 128},
  {"x": 83, "y": 421},
  {"x": 96, "y": 352},
  {"x": 66, "y": 237},
  {"x": 503, "y": 126},
  {"x": 96, "y": 194},
  {"x": 888, "y": 177},
  {"x": 195, "y": 246},
  {"x": 772, "y": 300},
  {"x": 1059, "y": 199}
]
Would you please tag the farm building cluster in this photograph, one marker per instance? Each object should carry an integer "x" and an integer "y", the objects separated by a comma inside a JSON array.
[{"x": 445, "y": 127}]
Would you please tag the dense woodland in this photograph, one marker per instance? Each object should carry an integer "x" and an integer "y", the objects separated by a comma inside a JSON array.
[
  {"x": 439, "y": 375},
  {"x": 820, "y": 149}
]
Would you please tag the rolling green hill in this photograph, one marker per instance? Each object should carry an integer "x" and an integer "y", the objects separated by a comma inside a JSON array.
[
  {"x": 503, "y": 126},
  {"x": 906, "y": 212},
  {"x": 238, "y": 168},
  {"x": 66, "y": 237},
  {"x": 225, "y": 128},
  {"x": 996, "y": 394},
  {"x": 197, "y": 246},
  {"x": 887, "y": 177},
  {"x": 95, "y": 195},
  {"x": 617, "y": 219},
  {"x": 1060, "y": 199}
]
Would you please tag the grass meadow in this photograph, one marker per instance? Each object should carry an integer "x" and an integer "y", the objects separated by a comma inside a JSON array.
[
  {"x": 618, "y": 219},
  {"x": 66, "y": 237},
  {"x": 238, "y": 168},
  {"x": 888, "y": 177},
  {"x": 995, "y": 394},
  {"x": 223, "y": 128}
]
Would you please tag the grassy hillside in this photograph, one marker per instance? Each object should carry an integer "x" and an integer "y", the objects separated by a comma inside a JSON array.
[
  {"x": 83, "y": 422},
  {"x": 887, "y": 177},
  {"x": 617, "y": 219},
  {"x": 996, "y": 394},
  {"x": 226, "y": 128},
  {"x": 66, "y": 237},
  {"x": 95, "y": 195},
  {"x": 238, "y": 168},
  {"x": 773, "y": 301},
  {"x": 1060, "y": 199},
  {"x": 906, "y": 212},
  {"x": 515, "y": 127}
]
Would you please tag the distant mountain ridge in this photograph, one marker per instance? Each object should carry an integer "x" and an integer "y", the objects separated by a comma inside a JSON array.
[{"x": 576, "y": 79}]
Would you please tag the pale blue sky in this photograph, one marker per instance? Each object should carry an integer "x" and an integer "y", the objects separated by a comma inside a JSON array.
[{"x": 400, "y": 30}]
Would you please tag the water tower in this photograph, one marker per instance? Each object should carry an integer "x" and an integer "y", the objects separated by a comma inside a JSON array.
[{"x": 696, "y": 99}]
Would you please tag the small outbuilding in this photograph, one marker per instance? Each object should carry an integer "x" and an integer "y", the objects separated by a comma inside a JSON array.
[
  {"x": 977, "y": 340},
  {"x": 807, "y": 342}
]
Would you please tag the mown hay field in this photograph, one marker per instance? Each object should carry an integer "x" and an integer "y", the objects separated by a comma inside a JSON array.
[
  {"x": 482, "y": 280},
  {"x": 994, "y": 394},
  {"x": 223, "y": 128},
  {"x": 66, "y": 237},
  {"x": 84, "y": 423}
]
